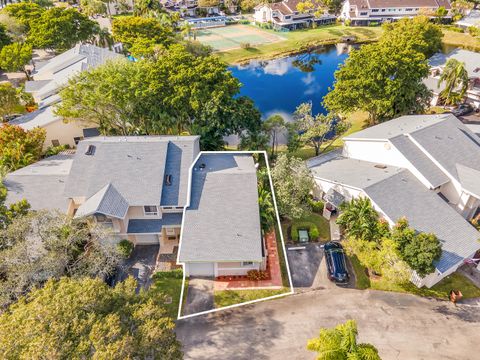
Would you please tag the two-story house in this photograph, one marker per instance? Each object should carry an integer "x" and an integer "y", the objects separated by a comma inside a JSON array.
[
  {"x": 284, "y": 15},
  {"x": 48, "y": 79},
  {"x": 471, "y": 61},
  {"x": 152, "y": 190},
  {"x": 364, "y": 12},
  {"x": 422, "y": 167}
]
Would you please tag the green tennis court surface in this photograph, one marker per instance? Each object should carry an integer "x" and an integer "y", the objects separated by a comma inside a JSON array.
[{"x": 232, "y": 36}]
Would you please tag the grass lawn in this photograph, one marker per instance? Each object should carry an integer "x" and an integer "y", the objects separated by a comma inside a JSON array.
[
  {"x": 321, "y": 223},
  {"x": 301, "y": 40},
  {"x": 169, "y": 283},
  {"x": 463, "y": 40},
  {"x": 281, "y": 256},
  {"x": 440, "y": 291},
  {"x": 232, "y": 297}
]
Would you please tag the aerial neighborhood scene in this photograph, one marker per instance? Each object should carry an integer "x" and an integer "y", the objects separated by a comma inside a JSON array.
[{"x": 240, "y": 179}]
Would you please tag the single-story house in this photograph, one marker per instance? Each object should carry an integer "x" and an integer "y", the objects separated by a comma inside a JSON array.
[
  {"x": 422, "y": 167},
  {"x": 471, "y": 61},
  {"x": 221, "y": 227},
  {"x": 471, "y": 19}
]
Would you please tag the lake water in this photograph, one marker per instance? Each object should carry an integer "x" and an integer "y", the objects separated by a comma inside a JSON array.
[{"x": 280, "y": 85}]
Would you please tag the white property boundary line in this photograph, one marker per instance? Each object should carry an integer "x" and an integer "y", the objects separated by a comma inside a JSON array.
[{"x": 179, "y": 314}]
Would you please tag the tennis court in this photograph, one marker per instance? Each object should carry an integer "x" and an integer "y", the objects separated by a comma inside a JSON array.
[{"x": 232, "y": 36}]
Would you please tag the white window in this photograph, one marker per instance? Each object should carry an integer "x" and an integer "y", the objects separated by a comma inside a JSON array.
[
  {"x": 363, "y": 14},
  {"x": 375, "y": 10},
  {"x": 150, "y": 210},
  {"x": 247, "y": 263}
]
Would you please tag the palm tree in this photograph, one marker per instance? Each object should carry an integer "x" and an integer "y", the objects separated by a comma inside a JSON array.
[
  {"x": 455, "y": 77},
  {"x": 267, "y": 213},
  {"x": 360, "y": 219},
  {"x": 340, "y": 343}
]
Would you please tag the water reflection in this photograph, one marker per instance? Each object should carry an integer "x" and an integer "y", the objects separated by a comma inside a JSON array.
[{"x": 280, "y": 85}]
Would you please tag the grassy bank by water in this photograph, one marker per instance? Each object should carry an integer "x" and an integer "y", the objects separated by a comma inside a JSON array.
[{"x": 301, "y": 40}]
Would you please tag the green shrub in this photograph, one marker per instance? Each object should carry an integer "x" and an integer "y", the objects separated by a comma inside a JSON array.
[
  {"x": 316, "y": 206},
  {"x": 55, "y": 150},
  {"x": 474, "y": 31},
  {"x": 313, "y": 233},
  {"x": 244, "y": 22},
  {"x": 453, "y": 28},
  {"x": 257, "y": 275},
  {"x": 245, "y": 45},
  {"x": 312, "y": 229},
  {"x": 125, "y": 247}
]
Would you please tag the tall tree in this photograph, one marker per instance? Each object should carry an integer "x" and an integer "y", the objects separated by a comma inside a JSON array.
[
  {"x": 60, "y": 29},
  {"x": 9, "y": 100},
  {"x": 86, "y": 319},
  {"x": 455, "y": 77},
  {"x": 418, "y": 34},
  {"x": 25, "y": 12},
  {"x": 383, "y": 79},
  {"x": 44, "y": 245},
  {"x": 93, "y": 7},
  {"x": 4, "y": 37},
  {"x": 15, "y": 57},
  {"x": 147, "y": 8},
  {"x": 318, "y": 130},
  {"x": 169, "y": 94},
  {"x": 19, "y": 147},
  {"x": 274, "y": 126},
  {"x": 132, "y": 29},
  {"x": 340, "y": 343},
  {"x": 293, "y": 182}
]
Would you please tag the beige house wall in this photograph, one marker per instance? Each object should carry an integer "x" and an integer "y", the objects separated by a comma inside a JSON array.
[{"x": 63, "y": 132}]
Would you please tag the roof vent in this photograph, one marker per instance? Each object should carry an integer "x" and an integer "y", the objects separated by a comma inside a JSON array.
[
  {"x": 91, "y": 150},
  {"x": 380, "y": 166},
  {"x": 168, "y": 180}
]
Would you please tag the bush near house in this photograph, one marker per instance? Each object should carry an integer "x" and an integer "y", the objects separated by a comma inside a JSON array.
[
  {"x": 125, "y": 247},
  {"x": 316, "y": 205},
  {"x": 257, "y": 275},
  {"x": 312, "y": 229}
]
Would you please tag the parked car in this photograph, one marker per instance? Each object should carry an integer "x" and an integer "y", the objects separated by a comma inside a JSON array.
[
  {"x": 336, "y": 263},
  {"x": 462, "y": 109}
]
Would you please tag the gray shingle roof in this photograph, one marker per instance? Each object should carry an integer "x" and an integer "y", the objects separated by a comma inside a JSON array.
[
  {"x": 470, "y": 58},
  {"x": 421, "y": 161},
  {"x": 450, "y": 142},
  {"x": 37, "y": 118},
  {"x": 399, "y": 126},
  {"x": 153, "y": 226},
  {"x": 41, "y": 183},
  {"x": 135, "y": 166},
  {"x": 402, "y": 195},
  {"x": 222, "y": 222},
  {"x": 355, "y": 173},
  {"x": 108, "y": 201}
]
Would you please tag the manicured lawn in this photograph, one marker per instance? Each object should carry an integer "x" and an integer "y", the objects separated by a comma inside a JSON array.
[
  {"x": 440, "y": 291},
  {"x": 297, "y": 41},
  {"x": 321, "y": 223},
  {"x": 463, "y": 40},
  {"x": 169, "y": 283},
  {"x": 232, "y": 297}
]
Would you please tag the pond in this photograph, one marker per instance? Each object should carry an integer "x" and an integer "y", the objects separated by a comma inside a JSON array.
[{"x": 280, "y": 85}]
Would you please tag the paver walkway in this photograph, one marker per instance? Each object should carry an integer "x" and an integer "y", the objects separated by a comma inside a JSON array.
[
  {"x": 199, "y": 296},
  {"x": 273, "y": 266}
]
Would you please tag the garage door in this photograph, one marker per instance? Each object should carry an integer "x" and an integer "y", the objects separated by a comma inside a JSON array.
[
  {"x": 149, "y": 239},
  {"x": 200, "y": 269}
]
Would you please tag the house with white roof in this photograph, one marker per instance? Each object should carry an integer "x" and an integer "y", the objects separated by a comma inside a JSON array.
[
  {"x": 48, "y": 79},
  {"x": 365, "y": 12},
  {"x": 153, "y": 189},
  {"x": 285, "y": 15},
  {"x": 471, "y": 61},
  {"x": 422, "y": 167}
]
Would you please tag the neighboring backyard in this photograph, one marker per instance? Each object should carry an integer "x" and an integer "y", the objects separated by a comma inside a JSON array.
[
  {"x": 440, "y": 291},
  {"x": 306, "y": 222}
]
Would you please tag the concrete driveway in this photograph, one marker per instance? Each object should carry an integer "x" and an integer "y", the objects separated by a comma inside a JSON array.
[
  {"x": 199, "y": 295},
  {"x": 308, "y": 268},
  {"x": 140, "y": 265},
  {"x": 401, "y": 326}
]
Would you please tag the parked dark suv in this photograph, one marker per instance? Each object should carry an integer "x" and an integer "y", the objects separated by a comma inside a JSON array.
[{"x": 336, "y": 264}]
